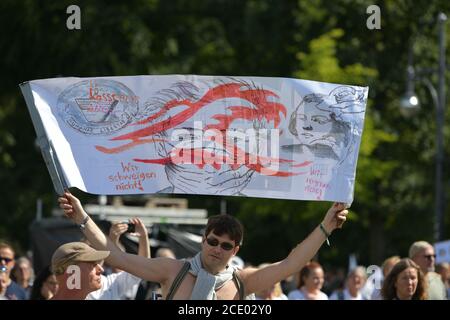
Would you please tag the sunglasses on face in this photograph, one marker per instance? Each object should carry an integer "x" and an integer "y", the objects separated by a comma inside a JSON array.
[
  {"x": 7, "y": 260},
  {"x": 429, "y": 256},
  {"x": 213, "y": 242}
]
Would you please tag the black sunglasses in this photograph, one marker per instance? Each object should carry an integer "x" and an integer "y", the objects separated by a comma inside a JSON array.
[
  {"x": 213, "y": 242},
  {"x": 429, "y": 256},
  {"x": 7, "y": 260}
]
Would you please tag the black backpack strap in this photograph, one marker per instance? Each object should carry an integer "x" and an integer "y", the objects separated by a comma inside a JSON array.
[
  {"x": 239, "y": 284},
  {"x": 178, "y": 279}
]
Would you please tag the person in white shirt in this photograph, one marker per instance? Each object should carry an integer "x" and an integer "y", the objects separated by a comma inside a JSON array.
[
  {"x": 121, "y": 285},
  {"x": 310, "y": 282},
  {"x": 116, "y": 286},
  {"x": 354, "y": 283}
]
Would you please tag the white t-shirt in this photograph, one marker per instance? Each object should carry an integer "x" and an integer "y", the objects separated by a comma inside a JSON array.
[
  {"x": 116, "y": 286},
  {"x": 298, "y": 295},
  {"x": 347, "y": 296}
]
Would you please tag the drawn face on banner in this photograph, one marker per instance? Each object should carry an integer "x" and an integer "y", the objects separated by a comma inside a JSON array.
[{"x": 315, "y": 127}]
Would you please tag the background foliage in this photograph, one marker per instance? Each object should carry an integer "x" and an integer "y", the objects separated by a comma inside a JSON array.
[{"x": 316, "y": 40}]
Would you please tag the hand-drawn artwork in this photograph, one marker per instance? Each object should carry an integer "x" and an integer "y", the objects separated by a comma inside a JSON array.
[
  {"x": 322, "y": 124},
  {"x": 224, "y": 165},
  {"x": 97, "y": 107},
  {"x": 253, "y": 136}
]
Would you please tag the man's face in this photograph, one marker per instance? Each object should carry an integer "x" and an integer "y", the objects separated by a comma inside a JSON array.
[
  {"x": 91, "y": 275},
  {"x": 214, "y": 251},
  {"x": 7, "y": 259},
  {"x": 425, "y": 259}
]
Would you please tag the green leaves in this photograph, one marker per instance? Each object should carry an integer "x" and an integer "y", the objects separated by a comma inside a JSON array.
[
  {"x": 322, "y": 64},
  {"x": 308, "y": 39}
]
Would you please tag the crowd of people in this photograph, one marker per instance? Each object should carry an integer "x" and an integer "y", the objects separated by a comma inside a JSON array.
[
  {"x": 98, "y": 268},
  {"x": 413, "y": 278}
]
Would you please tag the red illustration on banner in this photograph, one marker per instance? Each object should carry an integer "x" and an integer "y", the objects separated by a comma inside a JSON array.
[{"x": 256, "y": 105}]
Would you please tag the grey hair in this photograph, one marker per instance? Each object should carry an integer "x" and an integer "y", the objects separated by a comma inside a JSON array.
[
  {"x": 418, "y": 247},
  {"x": 358, "y": 269}
]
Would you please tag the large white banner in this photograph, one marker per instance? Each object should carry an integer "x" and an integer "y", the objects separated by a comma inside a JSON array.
[{"x": 246, "y": 136}]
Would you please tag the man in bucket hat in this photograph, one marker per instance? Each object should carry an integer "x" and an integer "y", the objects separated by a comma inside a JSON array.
[{"x": 77, "y": 267}]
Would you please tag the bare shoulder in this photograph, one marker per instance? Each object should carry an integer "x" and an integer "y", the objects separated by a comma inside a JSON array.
[
  {"x": 173, "y": 268},
  {"x": 175, "y": 264}
]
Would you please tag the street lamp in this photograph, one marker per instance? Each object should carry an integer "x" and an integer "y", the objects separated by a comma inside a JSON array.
[{"x": 410, "y": 102}]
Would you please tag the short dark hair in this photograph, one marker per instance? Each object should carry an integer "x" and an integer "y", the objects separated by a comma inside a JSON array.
[{"x": 226, "y": 224}]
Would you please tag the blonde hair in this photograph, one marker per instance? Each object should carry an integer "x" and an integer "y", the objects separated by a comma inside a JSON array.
[{"x": 277, "y": 290}]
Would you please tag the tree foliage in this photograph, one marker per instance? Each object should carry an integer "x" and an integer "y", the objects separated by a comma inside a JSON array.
[{"x": 309, "y": 39}]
